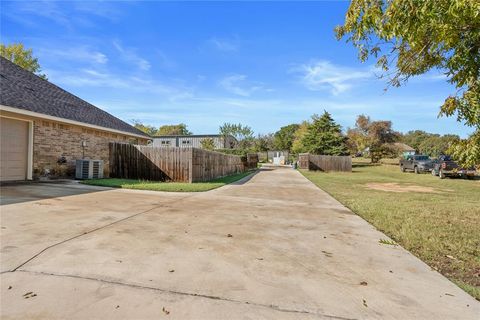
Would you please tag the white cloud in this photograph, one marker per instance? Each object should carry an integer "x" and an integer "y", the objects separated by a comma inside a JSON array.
[
  {"x": 431, "y": 76},
  {"x": 323, "y": 75},
  {"x": 44, "y": 9},
  {"x": 75, "y": 54},
  {"x": 130, "y": 55},
  {"x": 131, "y": 84},
  {"x": 238, "y": 85},
  {"x": 227, "y": 45},
  {"x": 68, "y": 14},
  {"x": 104, "y": 9}
]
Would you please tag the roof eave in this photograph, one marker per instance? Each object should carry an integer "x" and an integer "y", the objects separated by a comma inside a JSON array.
[{"x": 73, "y": 122}]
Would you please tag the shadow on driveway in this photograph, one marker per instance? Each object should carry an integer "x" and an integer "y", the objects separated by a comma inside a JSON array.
[{"x": 17, "y": 192}]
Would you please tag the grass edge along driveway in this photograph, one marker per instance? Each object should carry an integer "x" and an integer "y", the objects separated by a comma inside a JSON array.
[
  {"x": 441, "y": 227},
  {"x": 168, "y": 186}
]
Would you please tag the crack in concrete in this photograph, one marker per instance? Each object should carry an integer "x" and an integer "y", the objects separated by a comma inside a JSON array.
[
  {"x": 189, "y": 294},
  {"x": 91, "y": 231}
]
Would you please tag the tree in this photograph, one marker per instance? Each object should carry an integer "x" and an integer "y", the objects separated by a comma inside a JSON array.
[
  {"x": 207, "y": 144},
  {"x": 297, "y": 145},
  {"x": 429, "y": 143},
  {"x": 415, "y": 138},
  {"x": 150, "y": 130},
  {"x": 324, "y": 136},
  {"x": 356, "y": 141},
  {"x": 417, "y": 36},
  {"x": 173, "y": 130},
  {"x": 468, "y": 159},
  {"x": 357, "y": 138},
  {"x": 243, "y": 134},
  {"x": 377, "y": 136},
  {"x": 22, "y": 57},
  {"x": 264, "y": 142},
  {"x": 436, "y": 144},
  {"x": 381, "y": 138},
  {"x": 284, "y": 137}
]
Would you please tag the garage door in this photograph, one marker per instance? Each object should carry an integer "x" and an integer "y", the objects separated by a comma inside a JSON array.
[{"x": 13, "y": 149}]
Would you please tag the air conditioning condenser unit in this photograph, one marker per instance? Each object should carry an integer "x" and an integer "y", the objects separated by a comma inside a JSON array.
[{"x": 89, "y": 169}]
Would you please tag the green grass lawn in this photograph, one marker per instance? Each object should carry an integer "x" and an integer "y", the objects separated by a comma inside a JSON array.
[
  {"x": 441, "y": 227},
  {"x": 167, "y": 186}
]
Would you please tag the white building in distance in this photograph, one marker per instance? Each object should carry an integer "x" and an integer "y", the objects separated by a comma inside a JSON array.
[{"x": 194, "y": 140}]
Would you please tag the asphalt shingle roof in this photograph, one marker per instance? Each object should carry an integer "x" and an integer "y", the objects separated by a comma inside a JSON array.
[{"x": 22, "y": 89}]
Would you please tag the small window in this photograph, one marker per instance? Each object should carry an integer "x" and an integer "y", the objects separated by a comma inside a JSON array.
[
  {"x": 166, "y": 142},
  {"x": 186, "y": 142}
]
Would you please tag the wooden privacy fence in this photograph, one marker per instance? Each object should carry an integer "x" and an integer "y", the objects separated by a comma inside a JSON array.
[
  {"x": 208, "y": 165},
  {"x": 252, "y": 160},
  {"x": 324, "y": 163},
  {"x": 171, "y": 163}
]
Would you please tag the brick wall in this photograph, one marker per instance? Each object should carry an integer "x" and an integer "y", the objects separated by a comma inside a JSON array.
[{"x": 54, "y": 140}]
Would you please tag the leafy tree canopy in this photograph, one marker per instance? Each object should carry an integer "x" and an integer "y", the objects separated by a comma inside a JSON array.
[
  {"x": 243, "y": 134},
  {"x": 264, "y": 142},
  {"x": 173, "y": 130},
  {"x": 429, "y": 143},
  {"x": 22, "y": 57},
  {"x": 468, "y": 159},
  {"x": 208, "y": 144},
  {"x": 413, "y": 37},
  {"x": 377, "y": 136},
  {"x": 150, "y": 130},
  {"x": 297, "y": 145},
  {"x": 284, "y": 137}
]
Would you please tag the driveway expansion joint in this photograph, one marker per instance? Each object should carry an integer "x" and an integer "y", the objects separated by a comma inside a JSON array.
[
  {"x": 189, "y": 294},
  {"x": 93, "y": 230}
]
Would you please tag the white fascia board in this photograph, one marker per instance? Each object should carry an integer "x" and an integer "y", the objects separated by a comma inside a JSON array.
[{"x": 73, "y": 122}]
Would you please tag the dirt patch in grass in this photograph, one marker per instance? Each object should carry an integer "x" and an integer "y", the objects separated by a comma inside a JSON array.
[{"x": 395, "y": 187}]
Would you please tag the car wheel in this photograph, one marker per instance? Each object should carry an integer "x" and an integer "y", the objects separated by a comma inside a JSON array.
[
  {"x": 415, "y": 169},
  {"x": 402, "y": 168},
  {"x": 434, "y": 173},
  {"x": 441, "y": 174}
]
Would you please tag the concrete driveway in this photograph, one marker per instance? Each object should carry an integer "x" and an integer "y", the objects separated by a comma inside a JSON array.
[{"x": 275, "y": 247}]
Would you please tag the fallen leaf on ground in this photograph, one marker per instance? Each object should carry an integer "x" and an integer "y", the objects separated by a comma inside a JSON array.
[
  {"x": 327, "y": 254},
  {"x": 363, "y": 283},
  {"x": 165, "y": 310},
  {"x": 29, "y": 295},
  {"x": 365, "y": 303},
  {"x": 229, "y": 235}
]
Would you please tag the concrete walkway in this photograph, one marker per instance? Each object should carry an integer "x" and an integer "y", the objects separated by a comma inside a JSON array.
[{"x": 275, "y": 247}]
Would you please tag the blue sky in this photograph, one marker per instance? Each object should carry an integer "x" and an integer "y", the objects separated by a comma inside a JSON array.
[{"x": 264, "y": 64}]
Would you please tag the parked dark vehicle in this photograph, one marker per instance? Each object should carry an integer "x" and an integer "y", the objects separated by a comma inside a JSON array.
[
  {"x": 416, "y": 163},
  {"x": 444, "y": 167}
]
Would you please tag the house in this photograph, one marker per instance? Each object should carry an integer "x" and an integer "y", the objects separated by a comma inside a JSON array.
[
  {"x": 220, "y": 141},
  {"x": 44, "y": 128},
  {"x": 397, "y": 147},
  {"x": 404, "y": 149}
]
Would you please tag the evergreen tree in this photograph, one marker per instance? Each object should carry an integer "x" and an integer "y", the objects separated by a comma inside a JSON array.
[{"x": 324, "y": 136}]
